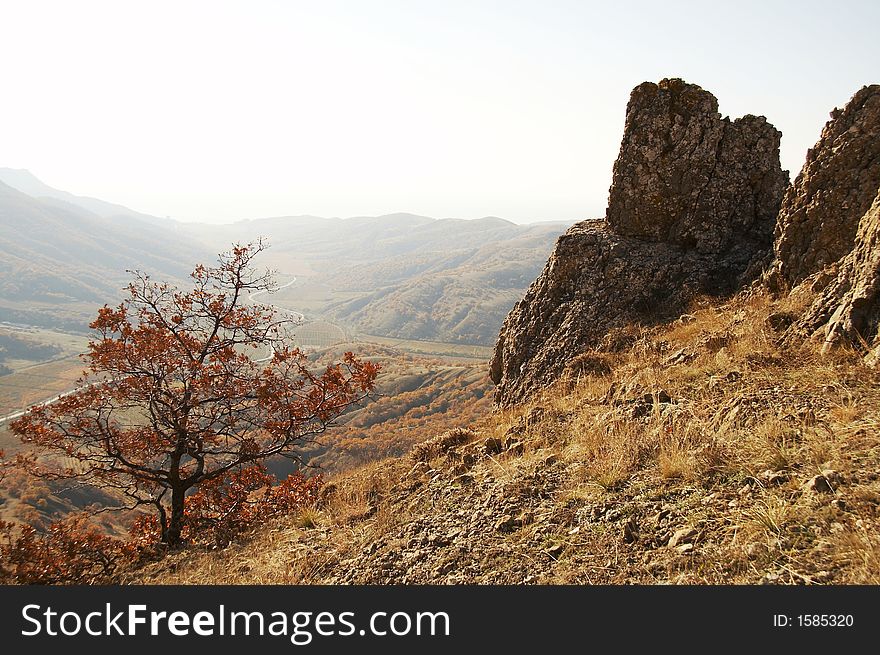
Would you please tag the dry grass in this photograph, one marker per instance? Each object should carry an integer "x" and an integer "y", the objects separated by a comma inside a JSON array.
[{"x": 708, "y": 423}]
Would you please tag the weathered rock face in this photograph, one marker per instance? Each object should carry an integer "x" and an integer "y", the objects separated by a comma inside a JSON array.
[
  {"x": 691, "y": 212},
  {"x": 596, "y": 280},
  {"x": 686, "y": 176},
  {"x": 847, "y": 311},
  {"x": 821, "y": 211}
]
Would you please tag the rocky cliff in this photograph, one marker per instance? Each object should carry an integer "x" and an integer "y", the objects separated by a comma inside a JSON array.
[
  {"x": 692, "y": 206},
  {"x": 847, "y": 311},
  {"x": 821, "y": 211},
  {"x": 828, "y": 233},
  {"x": 685, "y": 176}
]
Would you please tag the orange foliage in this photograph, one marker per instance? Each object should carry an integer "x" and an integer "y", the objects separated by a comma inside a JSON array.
[
  {"x": 392, "y": 424},
  {"x": 172, "y": 401},
  {"x": 70, "y": 552},
  {"x": 225, "y": 507},
  {"x": 74, "y": 551}
]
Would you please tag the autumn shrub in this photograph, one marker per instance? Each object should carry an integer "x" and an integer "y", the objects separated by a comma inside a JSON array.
[
  {"x": 71, "y": 551},
  {"x": 75, "y": 551},
  {"x": 227, "y": 506}
]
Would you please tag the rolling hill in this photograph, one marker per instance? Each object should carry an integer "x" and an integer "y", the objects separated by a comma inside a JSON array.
[
  {"x": 23, "y": 180},
  {"x": 59, "y": 260},
  {"x": 399, "y": 276},
  {"x": 402, "y": 275}
]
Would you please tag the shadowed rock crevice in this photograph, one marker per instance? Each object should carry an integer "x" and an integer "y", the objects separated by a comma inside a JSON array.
[{"x": 691, "y": 211}]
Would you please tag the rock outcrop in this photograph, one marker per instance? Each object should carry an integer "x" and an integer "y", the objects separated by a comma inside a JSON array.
[
  {"x": 821, "y": 211},
  {"x": 686, "y": 176},
  {"x": 691, "y": 211},
  {"x": 847, "y": 310},
  {"x": 827, "y": 245}
]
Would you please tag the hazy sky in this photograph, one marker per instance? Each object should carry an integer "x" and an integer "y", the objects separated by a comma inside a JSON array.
[{"x": 225, "y": 110}]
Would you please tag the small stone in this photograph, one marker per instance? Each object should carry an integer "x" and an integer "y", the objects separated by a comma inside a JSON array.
[
  {"x": 818, "y": 484},
  {"x": 631, "y": 531},
  {"x": 822, "y": 576},
  {"x": 680, "y": 357},
  {"x": 660, "y": 397},
  {"x": 780, "y": 321},
  {"x": 771, "y": 578},
  {"x": 755, "y": 550},
  {"x": 506, "y": 523},
  {"x": 834, "y": 477},
  {"x": 444, "y": 568},
  {"x": 682, "y": 536},
  {"x": 771, "y": 478},
  {"x": 707, "y": 500},
  {"x": 514, "y": 446},
  {"x": 555, "y": 550},
  {"x": 662, "y": 514},
  {"x": 613, "y": 515}
]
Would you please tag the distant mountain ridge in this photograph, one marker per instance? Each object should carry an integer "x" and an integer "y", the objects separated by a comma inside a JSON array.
[
  {"x": 398, "y": 275},
  {"x": 407, "y": 276},
  {"x": 23, "y": 180},
  {"x": 58, "y": 259}
]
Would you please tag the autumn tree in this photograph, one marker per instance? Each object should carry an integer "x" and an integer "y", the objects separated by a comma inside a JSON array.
[{"x": 186, "y": 387}]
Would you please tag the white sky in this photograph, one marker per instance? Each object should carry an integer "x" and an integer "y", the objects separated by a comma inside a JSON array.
[{"x": 224, "y": 110}]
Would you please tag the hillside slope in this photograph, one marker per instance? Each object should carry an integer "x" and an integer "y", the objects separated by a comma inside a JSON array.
[
  {"x": 702, "y": 452},
  {"x": 26, "y": 182},
  {"x": 458, "y": 296},
  {"x": 405, "y": 276},
  {"x": 57, "y": 259}
]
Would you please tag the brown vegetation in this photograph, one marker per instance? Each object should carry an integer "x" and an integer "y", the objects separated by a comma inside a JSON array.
[
  {"x": 171, "y": 403},
  {"x": 708, "y": 453}
]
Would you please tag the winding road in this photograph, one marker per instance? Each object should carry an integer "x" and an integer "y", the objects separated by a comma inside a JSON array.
[{"x": 299, "y": 317}]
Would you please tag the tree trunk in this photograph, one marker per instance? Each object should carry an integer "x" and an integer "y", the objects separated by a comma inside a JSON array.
[
  {"x": 175, "y": 525},
  {"x": 163, "y": 520}
]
